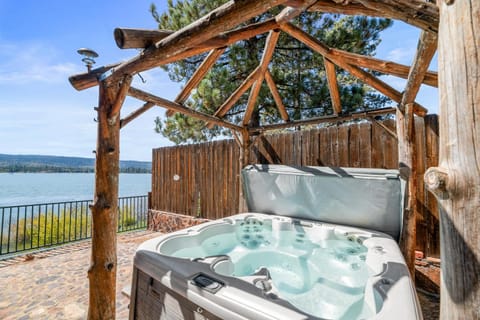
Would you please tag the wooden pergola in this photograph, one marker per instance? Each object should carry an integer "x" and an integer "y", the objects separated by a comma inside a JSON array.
[{"x": 454, "y": 25}]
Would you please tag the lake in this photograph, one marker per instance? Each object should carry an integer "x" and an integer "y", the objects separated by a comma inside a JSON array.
[{"x": 33, "y": 188}]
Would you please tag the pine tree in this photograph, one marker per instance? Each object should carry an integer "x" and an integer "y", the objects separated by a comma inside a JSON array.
[{"x": 298, "y": 71}]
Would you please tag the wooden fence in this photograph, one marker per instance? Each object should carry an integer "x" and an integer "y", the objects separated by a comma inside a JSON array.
[{"x": 203, "y": 179}]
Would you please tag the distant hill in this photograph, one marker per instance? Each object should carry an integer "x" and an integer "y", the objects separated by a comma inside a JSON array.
[{"x": 38, "y": 163}]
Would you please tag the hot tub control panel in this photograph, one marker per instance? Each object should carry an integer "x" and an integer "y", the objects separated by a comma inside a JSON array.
[{"x": 207, "y": 283}]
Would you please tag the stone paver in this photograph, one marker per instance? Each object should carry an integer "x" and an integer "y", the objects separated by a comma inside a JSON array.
[{"x": 54, "y": 284}]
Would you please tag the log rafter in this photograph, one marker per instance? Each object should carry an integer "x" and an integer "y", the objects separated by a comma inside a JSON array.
[
  {"x": 415, "y": 12},
  {"x": 384, "y": 66},
  {"x": 266, "y": 57},
  {"x": 333, "y": 86},
  {"x": 366, "y": 77},
  {"x": 324, "y": 119},
  {"x": 198, "y": 76},
  {"x": 276, "y": 95},
  {"x": 427, "y": 45},
  {"x": 148, "y": 97},
  {"x": 213, "y": 24}
]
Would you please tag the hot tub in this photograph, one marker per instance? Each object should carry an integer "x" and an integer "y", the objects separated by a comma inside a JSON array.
[
  {"x": 268, "y": 266},
  {"x": 257, "y": 266}
]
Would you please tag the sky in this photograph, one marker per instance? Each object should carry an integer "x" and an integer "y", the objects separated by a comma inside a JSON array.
[{"x": 41, "y": 113}]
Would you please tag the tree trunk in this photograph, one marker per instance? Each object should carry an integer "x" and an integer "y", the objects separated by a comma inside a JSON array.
[
  {"x": 456, "y": 182},
  {"x": 103, "y": 267}
]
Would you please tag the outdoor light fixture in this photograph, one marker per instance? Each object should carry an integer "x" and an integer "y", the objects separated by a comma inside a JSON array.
[{"x": 89, "y": 56}]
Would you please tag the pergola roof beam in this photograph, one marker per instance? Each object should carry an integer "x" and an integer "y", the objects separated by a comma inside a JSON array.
[
  {"x": 420, "y": 14},
  {"x": 211, "y": 25},
  {"x": 90, "y": 79},
  {"x": 366, "y": 77},
  {"x": 333, "y": 86},
  {"x": 276, "y": 95},
  {"x": 198, "y": 76},
  {"x": 332, "y": 118},
  {"x": 266, "y": 57},
  {"x": 427, "y": 45},
  {"x": 147, "y": 97},
  {"x": 384, "y": 66}
]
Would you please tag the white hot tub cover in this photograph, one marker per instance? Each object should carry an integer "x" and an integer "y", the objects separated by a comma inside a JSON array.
[{"x": 367, "y": 198}]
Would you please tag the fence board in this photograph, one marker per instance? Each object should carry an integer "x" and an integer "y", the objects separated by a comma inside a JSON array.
[{"x": 209, "y": 182}]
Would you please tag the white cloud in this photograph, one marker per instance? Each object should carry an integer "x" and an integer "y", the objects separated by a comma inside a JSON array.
[
  {"x": 33, "y": 62},
  {"x": 402, "y": 55}
]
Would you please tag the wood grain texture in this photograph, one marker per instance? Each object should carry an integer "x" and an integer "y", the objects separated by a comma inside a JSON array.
[
  {"x": 103, "y": 265},
  {"x": 333, "y": 86},
  {"x": 459, "y": 128},
  {"x": 384, "y": 66},
  {"x": 408, "y": 170},
  {"x": 415, "y": 12},
  {"x": 128, "y": 38}
]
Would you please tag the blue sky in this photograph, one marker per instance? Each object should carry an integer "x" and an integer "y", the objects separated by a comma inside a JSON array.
[{"x": 41, "y": 113}]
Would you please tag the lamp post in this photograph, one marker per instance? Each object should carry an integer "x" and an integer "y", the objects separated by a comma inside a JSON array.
[{"x": 88, "y": 57}]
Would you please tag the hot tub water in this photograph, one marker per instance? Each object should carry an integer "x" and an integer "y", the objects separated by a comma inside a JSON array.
[{"x": 318, "y": 270}]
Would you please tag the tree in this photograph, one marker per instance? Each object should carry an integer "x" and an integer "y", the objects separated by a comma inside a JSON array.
[{"x": 298, "y": 72}]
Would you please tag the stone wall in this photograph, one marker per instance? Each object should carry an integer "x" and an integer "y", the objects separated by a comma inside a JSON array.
[{"x": 165, "y": 222}]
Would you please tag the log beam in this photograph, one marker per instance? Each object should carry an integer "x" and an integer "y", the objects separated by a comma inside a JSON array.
[
  {"x": 427, "y": 45},
  {"x": 459, "y": 169},
  {"x": 426, "y": 20},
  {"x": 87, "y": 80},
  {"x": 290, "y": 13},
  {"x": 147, "y": 97},
  {"x": 276, "y": 95},
  {"x": 266, "y": 57},
  {"x": 366, "y": 77},
  {"x": 199, "y": 74},
  {"x": 387, "y": 67},
  {"x": 422, "y": 14},
  {"x": 127, "y": 38},
  {"x": 325, "y": 119},
  {"x": 333, "y": 86},
  {"x": 211, "y": 25},
  {"x": 135, "y": 114}
]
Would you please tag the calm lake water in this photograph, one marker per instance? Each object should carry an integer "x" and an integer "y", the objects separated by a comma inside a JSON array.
[{"x": 33, "y": 188}]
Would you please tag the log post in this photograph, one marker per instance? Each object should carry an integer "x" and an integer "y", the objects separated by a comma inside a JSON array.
[
  {"x": 103, "y": 265},
  {"x": 244, "y": 144},
  {"x": 457, "y": 180},
  {"x": 408, "y": 171}
]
